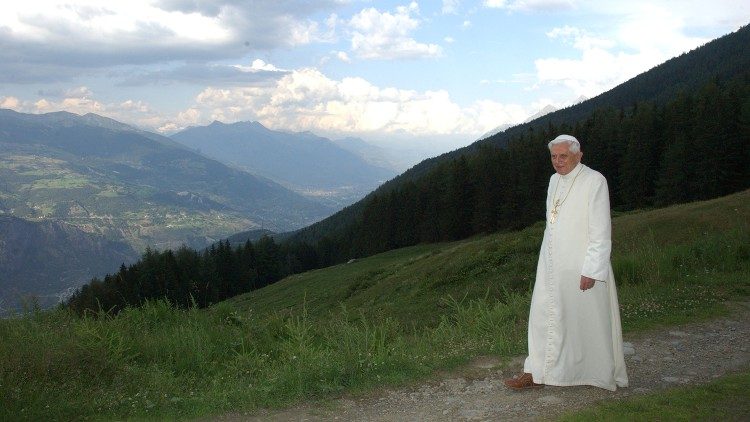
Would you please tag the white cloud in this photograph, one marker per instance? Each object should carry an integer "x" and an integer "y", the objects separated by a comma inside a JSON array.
[
  {"x": 343, "y": 56},
  {"x": 76, "y": 101},
  {"x": 656, "y": 28},
  {"x": 695, "y": 14},
  {"x": 306, "y": 99},
  {"x": 495, "y": 4},
  {"x": 384, "y": 35},
  {"x": 642, "y": 39},
  {"x": 45, "y": 40},
  {"x": 259, "y": 65},
  {"x": 12, "y": 103},
  {"x": 530, "y": 5},
  {"x": 79, "y": 92},
  {"x": 331, "y": 24},
  {"x": 579, "y": 38},
  {"x": 491, "y": 114},
  {"x": 450, "y": 7},
  {"x": 593, "y": 73},
  {"x": 92, "y": 22}
]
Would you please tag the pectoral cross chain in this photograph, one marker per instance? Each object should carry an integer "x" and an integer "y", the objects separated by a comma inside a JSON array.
[{"x": 553, "y": 213}]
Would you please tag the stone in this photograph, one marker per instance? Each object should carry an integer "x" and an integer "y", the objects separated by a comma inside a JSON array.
[
  {"x": 670, "y": 379},
  {"x": 628, "y": 348},
  {"x": 678, "y": 333}
]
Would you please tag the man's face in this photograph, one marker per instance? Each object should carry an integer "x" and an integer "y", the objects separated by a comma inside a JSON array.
[{"x": 563, "y": 160}]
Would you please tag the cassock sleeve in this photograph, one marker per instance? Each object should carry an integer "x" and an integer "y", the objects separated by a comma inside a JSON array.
[{"x": 596, "y": 263}]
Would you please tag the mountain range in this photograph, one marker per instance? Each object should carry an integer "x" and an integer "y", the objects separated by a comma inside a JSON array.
[
  {"x": 95, "y": 176},
  {"x": 107, "y": 178},
  {"x": 303, "y": 162}
]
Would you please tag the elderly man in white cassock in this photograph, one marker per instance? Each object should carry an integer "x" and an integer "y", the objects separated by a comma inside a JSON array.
[{"x": 575, "y": 336}]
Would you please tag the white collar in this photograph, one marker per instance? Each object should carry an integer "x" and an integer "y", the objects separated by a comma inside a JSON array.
[{"x": 573, "y": 173}]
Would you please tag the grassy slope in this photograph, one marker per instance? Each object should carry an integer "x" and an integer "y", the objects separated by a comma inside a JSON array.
[
  {"x": 408, "y": 284},
  {"x": 411, "y": 284}
]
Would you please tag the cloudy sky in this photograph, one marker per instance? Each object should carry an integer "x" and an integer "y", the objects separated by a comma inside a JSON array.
[{"x": 446, "y": 71}]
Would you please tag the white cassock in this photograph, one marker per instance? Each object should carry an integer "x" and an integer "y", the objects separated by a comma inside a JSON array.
[{"x": 575, "y": 336}]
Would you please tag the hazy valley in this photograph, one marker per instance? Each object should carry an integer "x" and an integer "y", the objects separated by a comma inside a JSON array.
[{"x": 310, "y": 165}]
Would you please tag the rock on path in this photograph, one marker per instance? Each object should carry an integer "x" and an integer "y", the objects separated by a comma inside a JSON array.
[{"x": 694, "y": 353}]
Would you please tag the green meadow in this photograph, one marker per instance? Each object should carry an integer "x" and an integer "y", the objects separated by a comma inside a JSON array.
[{"x": 387, "y": 320}]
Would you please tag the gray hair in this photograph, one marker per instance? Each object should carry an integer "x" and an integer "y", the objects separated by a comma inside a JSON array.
[{"x": 573, "y": 144}]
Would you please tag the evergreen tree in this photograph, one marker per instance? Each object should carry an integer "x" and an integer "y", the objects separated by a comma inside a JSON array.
[
  {"x": 639, "y": 164},
  {"x": 268, "y": 261}
]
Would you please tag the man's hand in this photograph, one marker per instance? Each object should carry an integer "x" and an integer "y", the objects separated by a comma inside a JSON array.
[{"x": 587, "y": 283}]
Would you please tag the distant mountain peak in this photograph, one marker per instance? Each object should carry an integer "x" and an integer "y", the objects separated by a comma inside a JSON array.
[
  {"x": 496, "y": 130},
  {"x": 66, "y": 114},
  {"x": 242, "y": 125},
  {"x": 549, "y": 108},
  {"x": 94, "y": 119}
]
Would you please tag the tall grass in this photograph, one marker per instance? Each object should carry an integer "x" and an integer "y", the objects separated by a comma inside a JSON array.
[
  {"x": 666, "y": 284},
  {"x": 160, "y": 362}
]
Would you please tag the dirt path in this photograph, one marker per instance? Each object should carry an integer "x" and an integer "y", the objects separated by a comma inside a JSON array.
[{"x": 689, "y": 354}]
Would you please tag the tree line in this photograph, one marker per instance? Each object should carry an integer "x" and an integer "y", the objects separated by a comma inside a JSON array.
[
  {"x": 695, "y": 147},
  {"x": 185, "y": 277}
]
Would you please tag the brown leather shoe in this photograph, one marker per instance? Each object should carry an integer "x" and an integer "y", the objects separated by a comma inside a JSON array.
[{"x": 523, "y": 382}]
